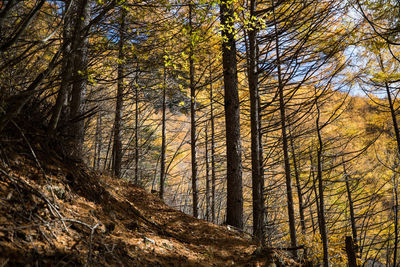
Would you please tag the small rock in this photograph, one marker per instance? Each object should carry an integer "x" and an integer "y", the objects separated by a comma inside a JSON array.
[
  {"x": 148, "y": 240},
  {"x": 58, "y": 191}
]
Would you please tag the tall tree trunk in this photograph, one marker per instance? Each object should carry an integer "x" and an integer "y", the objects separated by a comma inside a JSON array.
[
  {"x": 256, "y": 160},
  {"x": 80, "y": 55},
  {"x": 66, "y": 73},
  {"x": 163, "y": 137},
  {"x": 322, "y": 229},
  {"x": 289, "y": 191},
  {"x": 137, "y": 110},
  {"x": 117, "y": 147},
  {"x": 193, "y": 117},
  {"x": 207, "y": 174},
  {"x": 397, "y": 134},
  {"x": 234, "y": 211},
  {"x": 212, "y": 147}
]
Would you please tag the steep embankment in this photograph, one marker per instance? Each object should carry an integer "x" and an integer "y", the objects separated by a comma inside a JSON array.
[{"x": 55, "y": 212}]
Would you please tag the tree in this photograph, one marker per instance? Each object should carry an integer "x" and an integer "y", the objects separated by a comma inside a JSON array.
[
  {"x": 234, "y": 211},
  {"x": 163, "y": 136},
  {"x": 285, "y": 146},
  {"x": 193, "y": 134},
  {"x": 117, "y": 145},
  {"x": 256, "y": 152},
  {"x": 79, "y": 54}
]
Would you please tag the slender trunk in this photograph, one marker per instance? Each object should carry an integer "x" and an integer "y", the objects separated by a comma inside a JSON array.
[
  {"x": 234, "y": 211},
  {"x": 397, "y": 133},
  {"x": 66, "y": 75},
  {"x": 107, "y": 166},
  {"x": 193, "y": 118},
  {"x": 261, "y": 181},
  {"x": 323, "y": 231},
  {"x": 316, "y": 200},
  {"x": 298, "y": 185},
  {"x": 396, "y": 217},
  {"x": 117, "y": 148},
  {"x": 289, "y": 192},
  {"x": 314, "y": 190},
  {"x": 98, "y": 145},
  {"x": 256, "y": 161},
  {"x": 80, "y": 55},
  {"x": 163, "y": 137},
  {"x": 207, "y": 175},
  {"x": 393, "y": 114},
  {"x": 212, "y": 148},
  {"x": 351, "y": 207},
  {"x": 137, "y": 128}
]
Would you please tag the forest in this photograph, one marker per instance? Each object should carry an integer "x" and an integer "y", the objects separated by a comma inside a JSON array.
[{"x": 276, "y": 118}]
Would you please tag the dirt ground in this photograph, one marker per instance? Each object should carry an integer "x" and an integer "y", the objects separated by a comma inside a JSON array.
[{"x": 59, "y": 213}]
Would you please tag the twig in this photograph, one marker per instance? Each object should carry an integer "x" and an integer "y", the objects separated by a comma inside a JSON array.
[
  {"x": 52, "y": 209},
  {"x": 89, "y": 258},
  {"x": 45, "y": 236},
  {"x": 47, "y": 224},
  {"x": 92, "y": 231},
  {"x": 37, "y": 161}
]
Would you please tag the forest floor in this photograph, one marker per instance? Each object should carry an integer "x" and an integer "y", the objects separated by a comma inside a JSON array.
[{"x": 55, "y": 212}]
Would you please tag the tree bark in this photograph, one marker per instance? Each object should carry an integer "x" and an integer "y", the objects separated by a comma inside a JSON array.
[
  {"x": 117, "y": 145},
  {"x": 66, "y": 74},
  {"x": 137, "y": 110},
  {"x": 163, "y": 137},
  {"x": 80, "y": 44},
  {"x": 234, "y": 211},
  {"x": 207, "y": 174},
  {"x": 193, "y": 148},
  {"x": 212, "y": 147},
  {"x": 256, "y": 160},
  {"x": 322, "y": 224}
]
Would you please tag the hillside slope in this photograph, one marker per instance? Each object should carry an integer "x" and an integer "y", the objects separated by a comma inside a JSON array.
[{"x": 56, "y": 212}]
